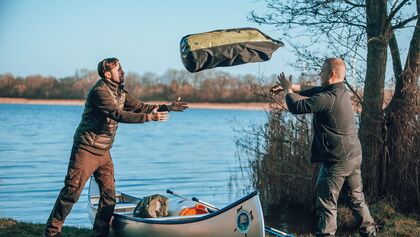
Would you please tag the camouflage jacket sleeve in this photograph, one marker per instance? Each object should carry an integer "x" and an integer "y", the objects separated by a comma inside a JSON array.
[
  {"x": 107, "y": 105},
  {"x": 135, "y": 105}
]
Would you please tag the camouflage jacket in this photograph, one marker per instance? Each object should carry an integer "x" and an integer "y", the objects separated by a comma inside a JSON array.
[{"x": 106, "y": 105}]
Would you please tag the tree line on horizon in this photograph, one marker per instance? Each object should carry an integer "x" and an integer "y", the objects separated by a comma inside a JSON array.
[{"x": 208, "y": 86}]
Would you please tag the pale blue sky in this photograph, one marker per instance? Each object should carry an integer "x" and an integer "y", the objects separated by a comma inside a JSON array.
[{"x": 56, "y": 37}]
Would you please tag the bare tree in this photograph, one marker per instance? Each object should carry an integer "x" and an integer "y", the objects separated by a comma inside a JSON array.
[{"x": 362, "y": 31}]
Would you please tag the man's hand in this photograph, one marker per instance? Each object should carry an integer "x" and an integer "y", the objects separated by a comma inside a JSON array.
[
  {"x": 276, "y": 89},
  {"x": 159, "y": 116},
  {"x": 177, "y": 106},
  {"x": 285, "y": 83}
]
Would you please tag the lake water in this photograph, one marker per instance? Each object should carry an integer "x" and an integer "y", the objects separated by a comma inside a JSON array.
[{"x": 193, "y": 154}]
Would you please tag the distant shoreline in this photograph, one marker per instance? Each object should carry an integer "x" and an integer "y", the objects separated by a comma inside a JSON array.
[{"x": 236, "y": 106}]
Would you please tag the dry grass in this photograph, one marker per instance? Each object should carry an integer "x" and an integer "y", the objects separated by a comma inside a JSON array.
[{"x": 276, "y": 157}]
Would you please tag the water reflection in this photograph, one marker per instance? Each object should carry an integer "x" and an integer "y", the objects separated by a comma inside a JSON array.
[{"x": 192, "y": 153}]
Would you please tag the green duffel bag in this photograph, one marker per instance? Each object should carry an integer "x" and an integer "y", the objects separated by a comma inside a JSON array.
[
  {"x": 223, "y": 48},
  {"x": 152, "y": 207}
]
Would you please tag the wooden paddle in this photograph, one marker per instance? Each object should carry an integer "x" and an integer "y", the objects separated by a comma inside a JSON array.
[{"x": 267, "y": 229}]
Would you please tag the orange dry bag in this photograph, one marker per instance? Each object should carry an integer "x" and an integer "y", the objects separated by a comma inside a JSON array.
[{"x": 196, "y": 210}]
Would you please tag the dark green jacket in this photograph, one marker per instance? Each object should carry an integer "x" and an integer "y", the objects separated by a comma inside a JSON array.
[
  {"x": 106, "y": 105},
  {"x": 335, "y": 135}
]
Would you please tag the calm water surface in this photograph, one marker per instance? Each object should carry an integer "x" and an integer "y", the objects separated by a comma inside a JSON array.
[{"x": 193, "y": 153}]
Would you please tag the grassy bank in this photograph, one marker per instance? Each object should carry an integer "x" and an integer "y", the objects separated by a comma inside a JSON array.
[
  {"x": 392, "y": 224},
  {"x": 10, "y": 227}
]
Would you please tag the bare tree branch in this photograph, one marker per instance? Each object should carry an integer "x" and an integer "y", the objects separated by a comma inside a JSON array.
[
  {"x": 354, "y": 4},
  {"x": 395, "y": 54},
  {"x": 395, "y": 11},
  {"x": 405, "y": 22},
  {"x": 394, "y": 5}
]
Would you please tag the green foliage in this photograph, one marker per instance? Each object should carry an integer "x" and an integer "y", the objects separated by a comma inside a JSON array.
[
  {"x": 10, "y": 227},
  {"x": 391, "y": 222},
  {"x": 395, "y": 223}
]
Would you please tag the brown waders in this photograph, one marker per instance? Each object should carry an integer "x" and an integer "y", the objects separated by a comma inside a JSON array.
[
  {"x": 331, "y": 178},
  {"x": 81, "y": 166}
]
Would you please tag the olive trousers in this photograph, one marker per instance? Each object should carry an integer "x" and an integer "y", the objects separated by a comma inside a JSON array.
[
  {"x": 81, "y": 166},
  {"x": 332, "y": 178}
]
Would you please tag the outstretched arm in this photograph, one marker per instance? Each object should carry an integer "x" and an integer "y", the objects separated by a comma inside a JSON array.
[
  {"x": 177, "y": 106},
  {"x": 133, "y": 104},
  {"x": 315, "y": 103},
  {"x": 107, "y": 106},
  {"x": 278, "y": 88},
  {"x": 304, "y": 90}
]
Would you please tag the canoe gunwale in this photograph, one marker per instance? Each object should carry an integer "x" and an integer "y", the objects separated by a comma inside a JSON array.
[
  {"x": 162, "y": 221},
  {"x": 189, "y": 220}
]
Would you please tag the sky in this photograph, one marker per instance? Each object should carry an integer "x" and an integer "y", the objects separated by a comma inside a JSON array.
[{"x": 58, "y": 37}]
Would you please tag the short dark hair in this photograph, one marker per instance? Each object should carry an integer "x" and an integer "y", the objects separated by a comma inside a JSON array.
[
  {"x": 106, "y": 65},
  {"x": 336, "y": 64}
]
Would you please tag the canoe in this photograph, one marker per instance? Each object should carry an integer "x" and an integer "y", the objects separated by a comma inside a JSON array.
[{"x": 242, "y": 218}]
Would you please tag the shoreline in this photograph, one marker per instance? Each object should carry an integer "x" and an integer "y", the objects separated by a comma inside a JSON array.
[
  {"x": 393, "y": 223},
  {"x": 201, "y": 105}
]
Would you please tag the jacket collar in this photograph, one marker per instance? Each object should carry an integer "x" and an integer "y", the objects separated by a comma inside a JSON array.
[
  {"x": 112, "y": 85},
  {"x": 334, "y": 86}
]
